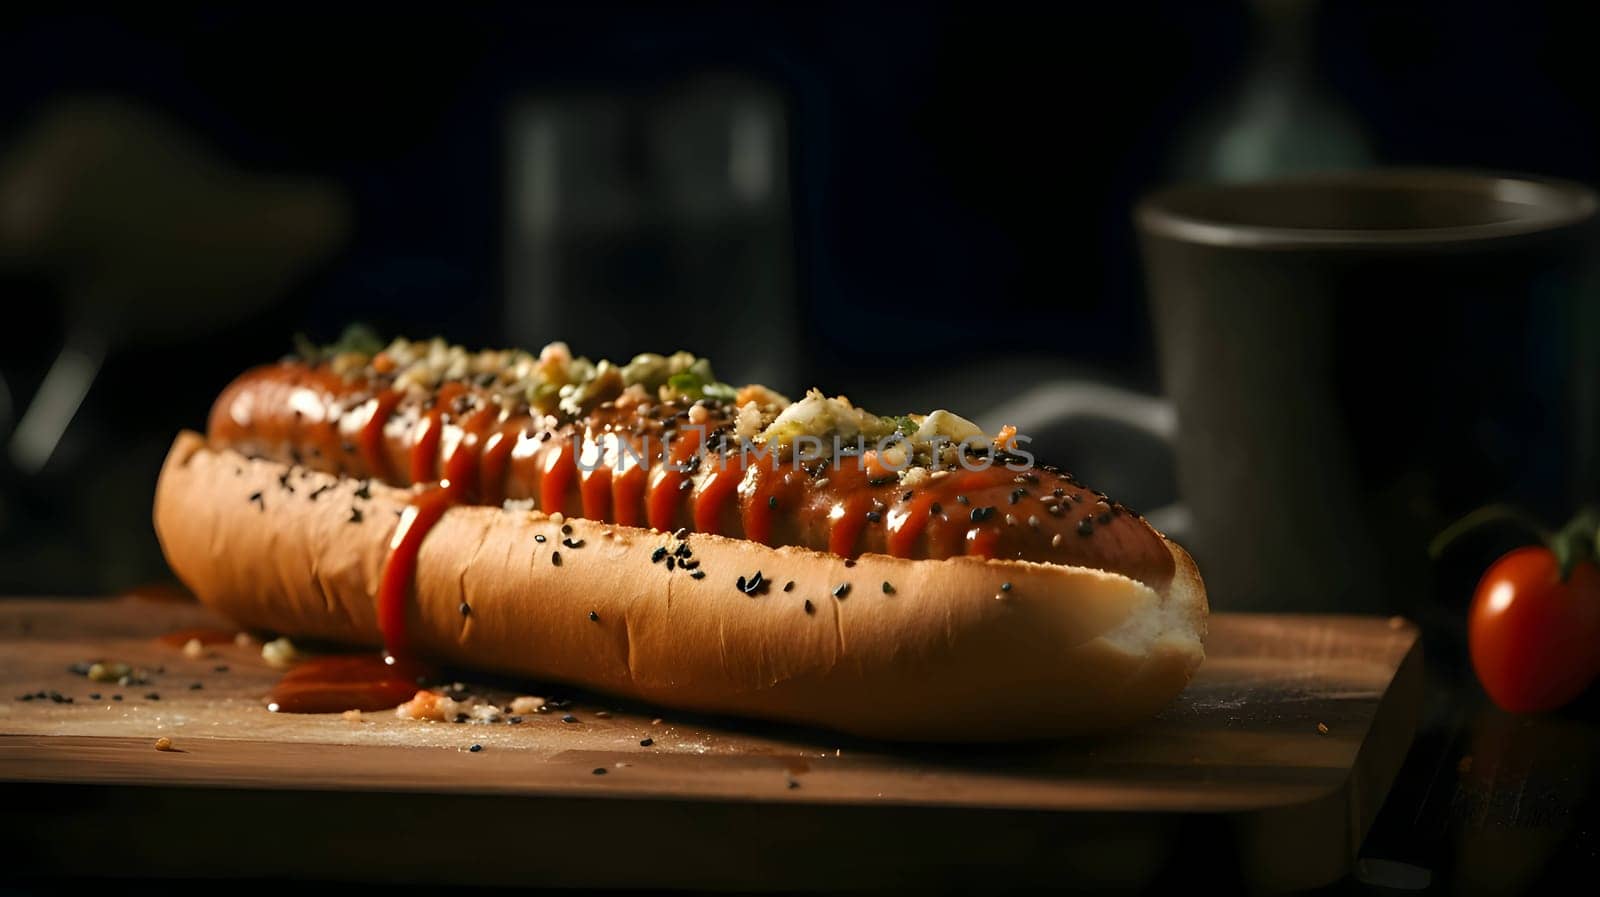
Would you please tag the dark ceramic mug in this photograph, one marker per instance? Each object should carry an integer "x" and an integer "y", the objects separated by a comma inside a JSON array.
[{"x": 1354, "y": 359}]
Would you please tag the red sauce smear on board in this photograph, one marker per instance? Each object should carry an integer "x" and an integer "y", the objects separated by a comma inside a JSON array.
[{"x": 345, "y": 682}]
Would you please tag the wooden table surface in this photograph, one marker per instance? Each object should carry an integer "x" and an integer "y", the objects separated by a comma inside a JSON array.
[{"x": 1271, "y": 767}]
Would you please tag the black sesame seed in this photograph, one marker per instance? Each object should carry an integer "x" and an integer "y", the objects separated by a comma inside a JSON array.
[
  {"x": 539, "y": 538},
  {"x": 364, "y": 490},
  {"x": 93, "y": 696},
  {"x": 594, "y": 616},
  {"x": 566, "y": 529},
  {"x": 555, "y": 558},
  {"x": 1005, "y": 587},
  {"x": 220, "y": 668},
  {"x": 887, "y": 588},
  {"x": 466, "y": 609},
  {"x": 355, "y": 515},
  {"x": 569, "y": 718},
  {"x": 698, "y": 574},
  {"x": 688, "y": 564},
  {"x": 646, "y": 742},
  {"x": 841, "y": 590},
  {"x": 116, "y": 697},
  {"x": 1017, "y": 494},
  {"x": 1104, "y": 518},
  {"x": 849, "y": 562},
  {"x": 935, "y": 508},
  {"x": 788, "y": 586},
  {"x": 260, "y": 502},
  {"x": 739, "y": 583},
  {"x": 599, "y": 770},
  {"x": 153, "y": 696},
  {"x": 658, "y": 554},
  {"x": 514, "y": 720},
  {"x": 572, "y": 543},
  {"x": 907, "y": 496},
  {"x": 810, "y": 608},
  {"x": 196, "y": 686},
  {"x": 475, "y": 748},
  {"x": 1086, "y": 526},
  {"x": 981, "y": 514},
  {"x": 963, "y": 500},
  {"x": 772, "y": 501},
  {"x": 874, "y": 517}
]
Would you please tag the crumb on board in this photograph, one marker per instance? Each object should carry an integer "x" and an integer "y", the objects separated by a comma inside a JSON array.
[
  {"x": 1322, "y": 728},
  {"x": 194, "y": 649},
  {"x": 426, "y": 705},
  {"x": 279, "y": 653},
  {"x": 526, "y": 704},
  {"x": 164, "y": 744},
  {"x": 243, "y": 639},
  {"x": 1397, "y": 622},
  {"x": 106, "y": 671},
  {"x": 353, "y": 716},
  {"x": 429, "y": 705}
]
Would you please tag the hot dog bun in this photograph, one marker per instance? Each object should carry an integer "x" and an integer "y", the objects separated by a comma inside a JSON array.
[{"x": 963, "y": 649}]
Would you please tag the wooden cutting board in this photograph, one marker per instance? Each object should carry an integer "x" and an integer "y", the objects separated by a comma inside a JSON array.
[{"x": 1268, "y": 771}]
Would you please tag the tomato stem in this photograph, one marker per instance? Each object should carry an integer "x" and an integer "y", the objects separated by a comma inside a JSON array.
[
  {"x": 1495, "y": 513},
  {"x": 1577, "y": 541},
  {"x": 1574, "y": 543}
]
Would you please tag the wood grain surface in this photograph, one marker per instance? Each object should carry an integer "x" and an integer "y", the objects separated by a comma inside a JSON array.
[{"x": 1270, "y": 767}]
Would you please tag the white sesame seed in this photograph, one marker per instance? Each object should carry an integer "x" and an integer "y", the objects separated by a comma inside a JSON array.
[
  {"x": 1033, "y": 520},
  {"x": 1010, "y": 520},
  {"x": 1055, "y": 541},
  {"x": 822, "y": 482}
]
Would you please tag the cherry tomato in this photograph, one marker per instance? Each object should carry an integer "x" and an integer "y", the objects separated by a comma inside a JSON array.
[{"x": 1535, "y": 640}]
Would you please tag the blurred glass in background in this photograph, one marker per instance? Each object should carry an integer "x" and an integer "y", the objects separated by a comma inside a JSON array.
[{"x": 654, "y": 220}]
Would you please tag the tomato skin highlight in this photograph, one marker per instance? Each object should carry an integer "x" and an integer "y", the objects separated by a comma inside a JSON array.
[{"x": 1535, "y": 640}]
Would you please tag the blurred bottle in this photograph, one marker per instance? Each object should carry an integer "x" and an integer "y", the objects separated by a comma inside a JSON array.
[
  {"x": 654, "y": 221},
  {"x": 1280, "y": 118}
]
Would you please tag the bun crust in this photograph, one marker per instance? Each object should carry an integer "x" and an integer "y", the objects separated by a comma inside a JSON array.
[{"x": 962, "y": 649}]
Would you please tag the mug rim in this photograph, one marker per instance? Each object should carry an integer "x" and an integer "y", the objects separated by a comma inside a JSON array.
[{"x": 1552, "y": 204}]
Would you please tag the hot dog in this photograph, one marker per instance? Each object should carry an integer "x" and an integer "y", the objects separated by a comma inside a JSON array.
[{"x": 432, "y": 467}]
